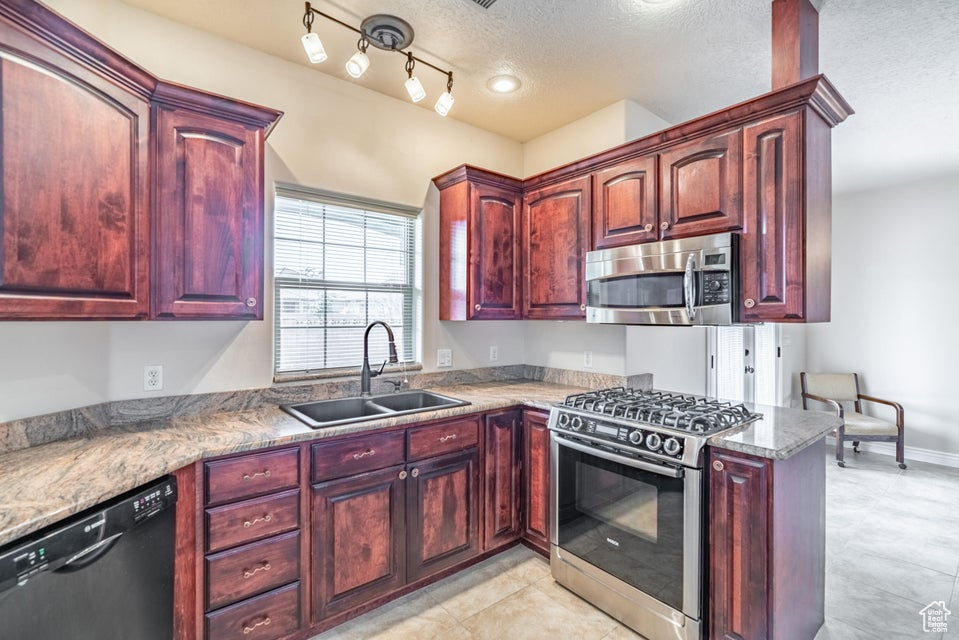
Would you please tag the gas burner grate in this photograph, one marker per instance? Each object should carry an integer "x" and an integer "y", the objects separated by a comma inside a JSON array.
[{"x": 684, "y": 412}]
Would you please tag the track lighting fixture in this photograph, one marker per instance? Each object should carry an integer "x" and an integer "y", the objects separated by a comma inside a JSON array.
[{"x": 385, "y": 32}]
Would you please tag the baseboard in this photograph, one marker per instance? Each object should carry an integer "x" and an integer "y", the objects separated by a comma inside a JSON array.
[{"x": 912, "y": 453}]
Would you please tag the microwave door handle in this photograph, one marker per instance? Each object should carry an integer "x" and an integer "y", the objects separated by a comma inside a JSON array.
[{"x": 689, "y": 286}]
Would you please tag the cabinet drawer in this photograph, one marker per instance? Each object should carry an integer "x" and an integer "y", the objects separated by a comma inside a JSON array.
[
  {"x": 254, "y": 568},
  {"x": 252, "y": 475},
  {"x": 272, "y": 615},
  {"x": 250, "y": 520},
  {"x": 357, "y": 455},
  {"x": 442, "y": 438}
]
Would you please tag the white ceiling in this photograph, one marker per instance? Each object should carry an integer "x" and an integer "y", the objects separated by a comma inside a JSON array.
[{"x": 895, "y": 62}]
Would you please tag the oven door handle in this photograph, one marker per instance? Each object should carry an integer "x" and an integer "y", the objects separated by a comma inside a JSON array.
[
  {"x": 626, "y": 460},
  {"x": 689, "y": 286}
]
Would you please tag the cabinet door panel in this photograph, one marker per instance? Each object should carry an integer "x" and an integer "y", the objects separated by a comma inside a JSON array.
[
  {"x": 209, "y": 224},
  {"x": 556, "y": 236},
  {"x": 358, "y": 542},
  {"x": 738, "y": 549},
  {"x": 536, "y": 478},
  {"x": 74, "y": 226},
  {"x": 494, "y": 253},
  {"x": 501, "y": 484},
  {"x": 773, "y": 247},
  {"x": 624, "y": 204},
  {"x": 702, "y": 186},
  {"x": 442, "y": 522}
]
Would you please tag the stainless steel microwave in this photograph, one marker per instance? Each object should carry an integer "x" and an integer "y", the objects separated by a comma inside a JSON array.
[{"x": 688, "y": 281}]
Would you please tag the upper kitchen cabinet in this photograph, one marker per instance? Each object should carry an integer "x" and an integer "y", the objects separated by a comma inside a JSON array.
[
  {"x": 479, "y": 245},
  {"x": 702, "y": 188},
  {"x": 74, "y": 197},
  {"x": 208, "y": 222},
  {"x": 108, "y": 211},
  {"x": 556, "y": 223},
  {"x": 625, "y": 204}
]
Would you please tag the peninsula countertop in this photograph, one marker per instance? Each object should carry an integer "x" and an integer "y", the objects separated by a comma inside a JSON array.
[{"x": 43, "y": 484}]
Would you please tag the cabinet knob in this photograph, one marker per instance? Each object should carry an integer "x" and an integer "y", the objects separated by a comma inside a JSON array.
[
  {"x": 648, "y": 228},
  {"x": 478, "y": 307},
  {"x": 749, "y": 303},
  {"x": 582, "y": 307},
  {"x": 664, "y": 225},
  {"x": 718, "y": 465},
  {"x": 415, "y": 473},
  {"x": 251, "y": 302},
  {"x": 403, "y": 474}
]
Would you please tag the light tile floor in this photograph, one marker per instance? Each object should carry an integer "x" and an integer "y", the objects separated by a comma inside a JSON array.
[{"x": 892, "y": 547}]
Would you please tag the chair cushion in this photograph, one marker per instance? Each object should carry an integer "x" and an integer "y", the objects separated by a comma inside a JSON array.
[
  {"x": 858, "y": 424},
  {"x": 835, "y": 386}
]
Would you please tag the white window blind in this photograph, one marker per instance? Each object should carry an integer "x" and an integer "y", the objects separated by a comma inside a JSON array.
[{"x": 338, "y": 265}]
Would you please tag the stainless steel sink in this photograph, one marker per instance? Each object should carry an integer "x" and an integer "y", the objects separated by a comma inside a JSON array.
[{"x": 331, "y": 413}]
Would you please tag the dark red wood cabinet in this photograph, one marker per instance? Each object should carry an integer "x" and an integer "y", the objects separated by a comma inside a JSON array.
[
  {"x": 766, "y": 545},
  {"x": 208, "y": 222},
  {"x": 536, "y": 475},
  {"x": 501, "y": 478},
  {"x": 556, "y": 224},
  {"x": 74, "y": 179},
  {"x": 625, "y": 204},
  {"x": 479, "y": 246}
]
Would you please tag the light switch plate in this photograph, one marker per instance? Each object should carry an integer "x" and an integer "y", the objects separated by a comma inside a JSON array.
[
  {"x": 588, "y": 359},
  {"x": 493, "y": 353},
  {"x": 444, "y": 357}
]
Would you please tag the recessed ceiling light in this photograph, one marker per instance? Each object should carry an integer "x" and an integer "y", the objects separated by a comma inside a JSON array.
[{"x": 503, "y": 83}]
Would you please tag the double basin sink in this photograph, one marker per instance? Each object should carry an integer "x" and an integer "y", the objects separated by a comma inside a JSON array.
[{"x": 339, "y": 411}]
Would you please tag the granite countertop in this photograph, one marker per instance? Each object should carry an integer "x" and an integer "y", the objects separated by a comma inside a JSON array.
[{"x": 43, "y": 484}]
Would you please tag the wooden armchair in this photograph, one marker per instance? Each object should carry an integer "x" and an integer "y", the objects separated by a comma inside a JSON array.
[{"x": 835, "y": 388}]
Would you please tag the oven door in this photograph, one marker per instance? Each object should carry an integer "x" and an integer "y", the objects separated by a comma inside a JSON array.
[{"x": 633, "y": 519}]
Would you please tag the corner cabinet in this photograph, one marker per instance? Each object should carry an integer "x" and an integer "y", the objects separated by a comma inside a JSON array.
[
  {"x": 766, "y": 545},
  {"x": 479, "y": 246},
  {"x": 74, "y": 175},
  {"x": 501, "y": 478},
  {"x": 208, "y": 222},
  {"x": 556, "y": 223},
  {"x": 121, "y": 196}
]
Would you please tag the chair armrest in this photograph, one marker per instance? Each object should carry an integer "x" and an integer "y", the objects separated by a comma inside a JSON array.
[
  {"x": 895, "y": 405},
  {"x": 838, "y": 408}
]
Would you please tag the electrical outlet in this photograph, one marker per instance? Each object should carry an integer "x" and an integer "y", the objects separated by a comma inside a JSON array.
[
  {"x": 153, "y": 377},
  {"x": 588, "y": 359},
  {"x": 444, "y": 357},
  {"x": 493, "y": 353}
]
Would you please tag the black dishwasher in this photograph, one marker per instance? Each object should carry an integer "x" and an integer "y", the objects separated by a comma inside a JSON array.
[{"x": 105, "y": 574}]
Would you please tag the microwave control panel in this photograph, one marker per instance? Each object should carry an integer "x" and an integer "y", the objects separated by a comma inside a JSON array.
[{"x": 716, "y": 288}]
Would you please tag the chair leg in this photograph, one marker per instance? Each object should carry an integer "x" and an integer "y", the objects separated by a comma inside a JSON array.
[
  {"x": 855, "y": 446},
  {"x": 839, "y": 447},
  {"x": 900, "y": 451}
]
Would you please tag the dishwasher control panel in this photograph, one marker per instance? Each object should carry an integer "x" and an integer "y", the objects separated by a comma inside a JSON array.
[{"x": 81, "y": 537}]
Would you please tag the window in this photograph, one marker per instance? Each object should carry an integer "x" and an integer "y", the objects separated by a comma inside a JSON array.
[{"x": 338, "y": 265}]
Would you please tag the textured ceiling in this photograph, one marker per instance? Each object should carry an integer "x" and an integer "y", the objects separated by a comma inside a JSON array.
[{"x": 897, "y": 63}]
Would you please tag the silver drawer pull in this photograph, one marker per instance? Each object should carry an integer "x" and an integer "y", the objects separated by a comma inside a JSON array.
[
  {"x": 451, "y": 436},
  {"x": 365, "y": 454},
  {"x": 249, "y": 573},
  {"x": 250, "y": 627},
  {"x": 265, "y": 474},
  {"x": 249, "y": 523}
]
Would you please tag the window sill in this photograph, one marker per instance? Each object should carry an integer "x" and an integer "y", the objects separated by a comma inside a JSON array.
[{"x": 343, "y": 372}]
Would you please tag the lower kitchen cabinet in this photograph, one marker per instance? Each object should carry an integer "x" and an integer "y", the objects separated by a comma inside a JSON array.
[
  {"x": 766, "y": 545},
  {"x": 501, "y": 478},
  {"x": 536, "y": 479},
  {"x": 358, "y": 539}
]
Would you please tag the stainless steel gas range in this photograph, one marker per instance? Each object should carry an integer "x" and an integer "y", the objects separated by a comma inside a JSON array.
[{"x": 626, "y": 508}]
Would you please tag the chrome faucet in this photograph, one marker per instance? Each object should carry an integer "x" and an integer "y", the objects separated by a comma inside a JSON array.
[{"x": 366, "y": 374}]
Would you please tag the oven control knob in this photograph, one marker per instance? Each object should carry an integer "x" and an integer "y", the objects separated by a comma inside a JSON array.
[
  {"x": 715, "y": 285},
  {"x": 636, "y": 437},
  {"x": 653, "y": 441},
  {"x": 672, "y": 446},
  {"x": 563, "y": 419},
  {"x": 576, "y": 423}
]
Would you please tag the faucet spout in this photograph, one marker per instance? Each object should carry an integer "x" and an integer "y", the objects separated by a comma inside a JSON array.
[{"x": 366, "y": 374}]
